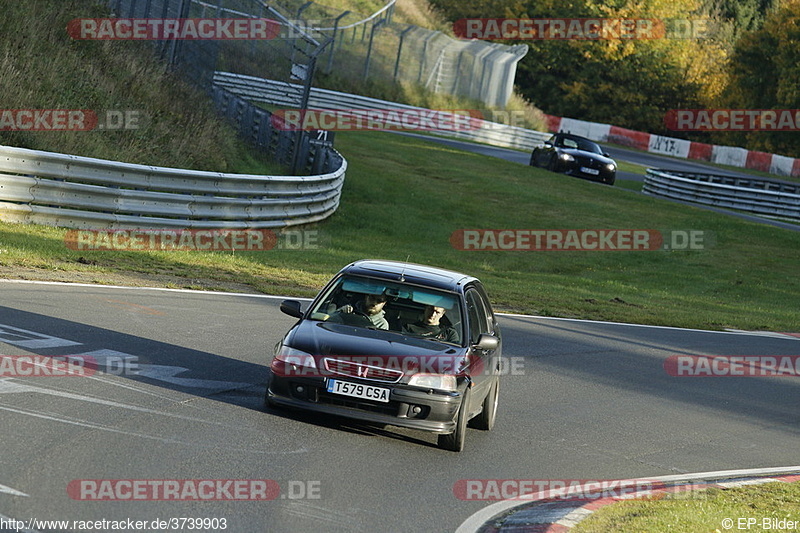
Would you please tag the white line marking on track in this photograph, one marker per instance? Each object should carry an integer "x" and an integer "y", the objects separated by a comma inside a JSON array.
[
  {"x": 30, "y": 339},
  {"x": 7, "y": 386},
  {"x": 14, "y": 492},
  {"x": 273, "y": 297},
  {"x": 167, "y": 374},
  {"x": 194, "y": 443}
]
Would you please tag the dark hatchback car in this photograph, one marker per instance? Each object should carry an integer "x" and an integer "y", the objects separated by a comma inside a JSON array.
[
  {"x": 427, "y": 359},
  {"x": 575, "y": 156}
]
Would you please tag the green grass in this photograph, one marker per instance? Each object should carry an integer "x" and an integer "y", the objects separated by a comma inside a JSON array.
[
  {"x": 706, "y": 510},
  {"x": 631, "y": 185},
  {"x": 43, "y": 68},
  {"x": 403, "y": 198}
]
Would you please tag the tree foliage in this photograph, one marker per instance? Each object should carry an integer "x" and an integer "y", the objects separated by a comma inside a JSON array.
[
  {"x": 764, "y": 73},
  {"x": 749, "y": 55}
]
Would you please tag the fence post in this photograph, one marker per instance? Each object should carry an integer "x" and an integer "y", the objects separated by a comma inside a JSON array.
[
  {"x": 333, "y": 46},
  {"x": 296, "y": 20},
  {"x": 375, "y": 27},
  {"x": 300, "y": 135},
  {"x": 424, "y": 59},
  {"x": 400, "y": 50}
]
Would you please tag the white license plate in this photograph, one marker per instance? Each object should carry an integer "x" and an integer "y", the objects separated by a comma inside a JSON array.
[
  {"x": 357, "y": 390},
  {"x": 592, "y": 171}
]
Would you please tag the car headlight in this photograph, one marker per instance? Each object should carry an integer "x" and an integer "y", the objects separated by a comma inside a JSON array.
[
  {"x": 566, "y": 157},
  {"x": 288, "y": 361},
  {"x": 611, "y": 167},
  {"x": 434, "y": 381}
]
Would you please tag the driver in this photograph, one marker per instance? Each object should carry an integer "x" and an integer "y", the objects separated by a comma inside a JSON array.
[
  {"x": 430, "y": 327},
  {"x": 371, "y": 307}
]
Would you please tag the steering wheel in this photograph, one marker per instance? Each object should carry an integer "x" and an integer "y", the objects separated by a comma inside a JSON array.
[{"x": 356, "y": 318}]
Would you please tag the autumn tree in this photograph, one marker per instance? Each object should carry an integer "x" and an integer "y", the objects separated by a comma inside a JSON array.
[
  {"x": 625, "y": 82},
  {"x": 764, "y": 73}
]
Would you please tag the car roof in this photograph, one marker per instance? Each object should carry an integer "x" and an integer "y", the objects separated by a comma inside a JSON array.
[
  {"x": 413, "y": 273},
  {"x": 576, "y": 137}
]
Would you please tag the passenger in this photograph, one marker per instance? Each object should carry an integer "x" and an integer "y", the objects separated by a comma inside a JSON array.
[
  {"x": 370, "y": 307},
  {"x": 430, "y": 328}
]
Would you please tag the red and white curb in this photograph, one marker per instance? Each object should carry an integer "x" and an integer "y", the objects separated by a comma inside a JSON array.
[
  {"x": 657, "y": 144},
  {"x": 548, "y": 512}
]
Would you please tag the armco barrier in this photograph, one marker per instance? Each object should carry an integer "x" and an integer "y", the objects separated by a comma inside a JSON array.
[
  {"x": 755, "y": 195},
  {"x": 280, "y": 93},
  {"x": 81, "y": 192},
  {"x": 658, "y": 144}
]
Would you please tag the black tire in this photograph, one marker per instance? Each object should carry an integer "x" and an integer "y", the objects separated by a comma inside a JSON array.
[
  {"x": 454, "y": 441},
  {"x": 485, "y": 420},
  {"x": 533, "y": 160},
  {"x": 552, "y": 165}
]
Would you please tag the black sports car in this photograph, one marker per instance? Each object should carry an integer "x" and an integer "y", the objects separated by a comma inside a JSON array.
[
  {"x": 393, "y": 343},
  {"x": 575, "y": 156}
]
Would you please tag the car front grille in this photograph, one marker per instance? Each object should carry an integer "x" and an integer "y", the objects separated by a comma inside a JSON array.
[
  {"x": 588, "y": 162},
  {"x": 362, "y": 371}
]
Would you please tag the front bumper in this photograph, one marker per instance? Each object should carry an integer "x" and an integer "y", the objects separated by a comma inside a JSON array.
[
  {"x": 603, "y": 176},
  {"x": 436, "y": 409}
]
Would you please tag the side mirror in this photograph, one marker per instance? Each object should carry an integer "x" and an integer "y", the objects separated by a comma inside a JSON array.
[
  {"x": 487, "y": 342},
  {"x": 548, "y": 144},
  {"x": 291, "y": 308},
  {"x": 606, "y": 154}
]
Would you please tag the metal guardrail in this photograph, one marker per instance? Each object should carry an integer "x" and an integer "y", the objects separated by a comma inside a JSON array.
[
  {"x": 81, "y": 192},
  {"x": 256, "y": 126},
  {"x": 280, "y": 93},
  {"x": 755, "y": 195}
]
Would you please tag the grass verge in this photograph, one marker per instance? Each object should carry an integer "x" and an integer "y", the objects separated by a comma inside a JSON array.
[
  {"x": 404, "y": 197},
  {"x": 753, "y": 508}
]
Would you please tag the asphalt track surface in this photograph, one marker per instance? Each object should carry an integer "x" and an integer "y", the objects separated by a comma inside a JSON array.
[
  {"x": 586, "y": 400},
  {"x": 621, "y": 154}
]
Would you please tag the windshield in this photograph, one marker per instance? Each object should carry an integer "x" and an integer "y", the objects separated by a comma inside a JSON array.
[
  {"x": 397, "y": 307},
  {"x": 580, "y": 144}
]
